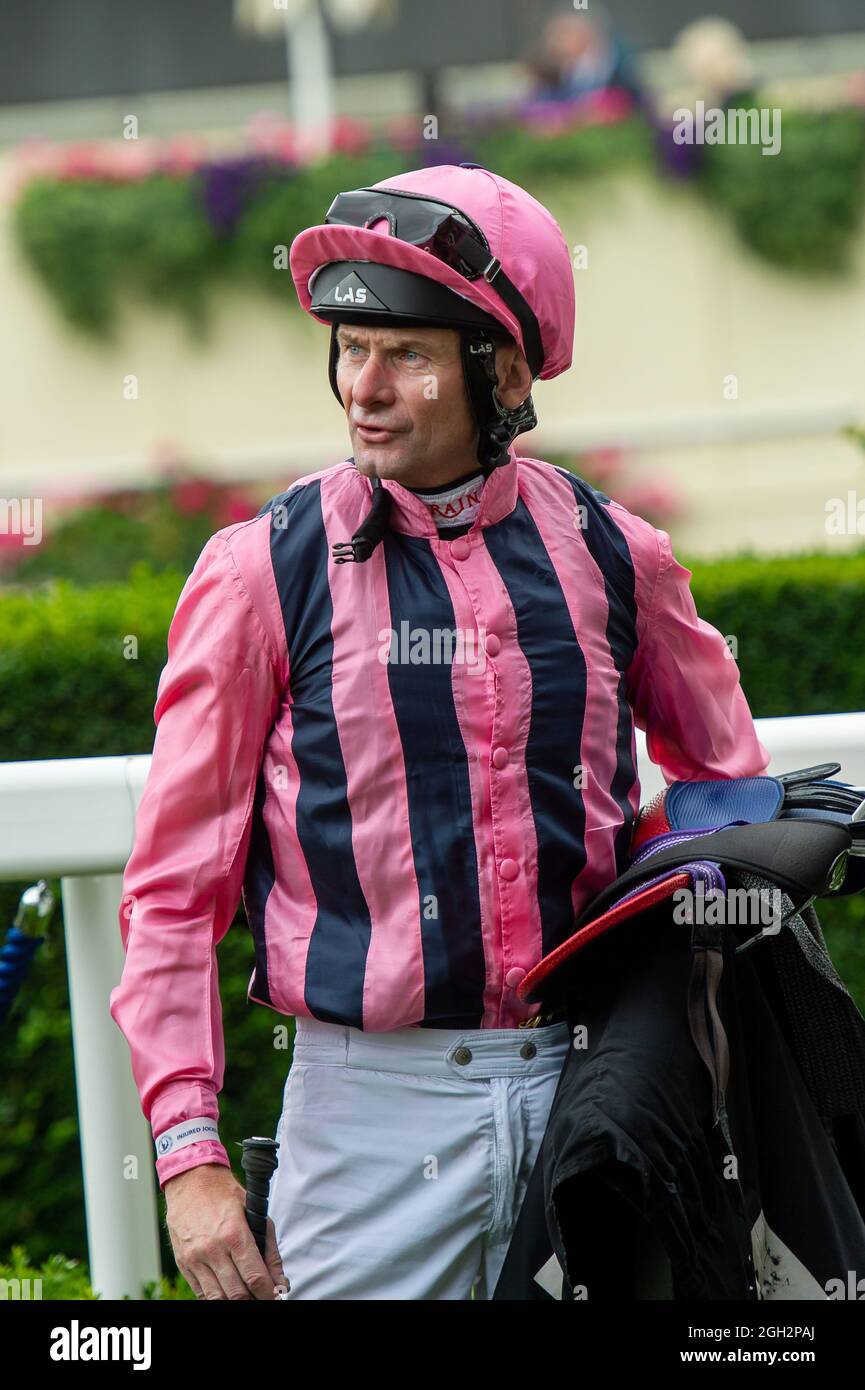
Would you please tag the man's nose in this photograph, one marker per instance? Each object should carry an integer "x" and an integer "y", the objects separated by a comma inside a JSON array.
[{"x": 372, "y": 382}]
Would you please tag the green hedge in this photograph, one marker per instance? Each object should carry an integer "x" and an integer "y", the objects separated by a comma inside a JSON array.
[
  {"x": 796, "y": 621},
  {"x": 69, "y": 690},
  {"x": 59, "y": 1278}
]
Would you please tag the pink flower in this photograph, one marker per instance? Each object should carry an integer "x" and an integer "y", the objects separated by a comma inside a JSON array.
[
  {"x": 268, "y": 134},
  {"x": 313, "y": 144},
  {"x": 653, "y": 499},
  {"x": 350, "y": 136},
  {"x": 403, "y": 132},
  {"x": 855, "y": 89},
  {"x": 127, "y": 161},
  {"x": 602, "y": 465},
  {"x": 234, "y": 507},
  {"x": 119, "y": 160},
  {"x": 193, "y": 496},
  {"x": 609, "y": 105},
  {"x": 34, "y": 158},
  {"x": 603, "y": 107},
  {"x": 80, "y": 161},
  {"x": 183, "y": 155}
]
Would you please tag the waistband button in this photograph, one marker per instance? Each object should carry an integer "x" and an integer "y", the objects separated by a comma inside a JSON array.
[
  {"x": 463, "y": 1055},
  {"x": 528, "y": 1050}
]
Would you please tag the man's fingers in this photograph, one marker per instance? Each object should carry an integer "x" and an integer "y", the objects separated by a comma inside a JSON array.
[
  {"x": 192, "y": 1281},
  {"x": 272, "y": 1257},
  {"x": 226, "y": 1270},
  {"x": 211, "y": 1287},
  {"x": 234, "y": 1284},
  {"x": 257, "y": 1275}
]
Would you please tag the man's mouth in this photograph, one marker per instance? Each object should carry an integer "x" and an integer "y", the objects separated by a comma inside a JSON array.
[{"x": 375, "y": 434}]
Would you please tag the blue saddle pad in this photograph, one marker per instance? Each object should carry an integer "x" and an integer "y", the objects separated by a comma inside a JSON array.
[{"x": 717, "y": 803}]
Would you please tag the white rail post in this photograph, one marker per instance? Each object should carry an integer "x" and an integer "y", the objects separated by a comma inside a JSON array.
[{"x": 116, "y": 1144}]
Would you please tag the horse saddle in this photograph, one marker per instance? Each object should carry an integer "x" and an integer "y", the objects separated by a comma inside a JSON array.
[
  {"x": 798, "y": 830},
  {"x": 802, "y": 833}
]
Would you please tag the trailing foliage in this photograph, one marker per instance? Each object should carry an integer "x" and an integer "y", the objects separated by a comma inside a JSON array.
[
  {"x": 801, "y": 208},
  {"x": 173, "y": 234}
]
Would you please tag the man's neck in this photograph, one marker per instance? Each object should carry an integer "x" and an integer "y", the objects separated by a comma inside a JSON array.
[{"x": 434, "y": 488}]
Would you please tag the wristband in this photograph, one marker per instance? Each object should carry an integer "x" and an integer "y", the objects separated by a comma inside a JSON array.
[{"x": 187, "y": 1132}]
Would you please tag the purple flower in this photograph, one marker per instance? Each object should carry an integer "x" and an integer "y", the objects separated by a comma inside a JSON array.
[
  {"x": 434, "y": 152},
  {"x": 682, "y": 161},
  {"x": 228, "y": 185}
]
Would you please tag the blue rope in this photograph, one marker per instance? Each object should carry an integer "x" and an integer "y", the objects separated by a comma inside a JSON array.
[{"x": 16, "y": 958}]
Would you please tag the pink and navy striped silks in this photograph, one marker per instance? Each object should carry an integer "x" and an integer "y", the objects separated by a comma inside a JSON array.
[{"x": 410, "y": 835}]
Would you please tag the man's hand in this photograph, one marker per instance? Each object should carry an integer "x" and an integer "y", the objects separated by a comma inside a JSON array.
[{"x": 214, "y": 1248}]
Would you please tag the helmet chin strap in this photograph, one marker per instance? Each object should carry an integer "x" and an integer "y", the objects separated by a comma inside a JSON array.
[{"x": 497, "y": 426}]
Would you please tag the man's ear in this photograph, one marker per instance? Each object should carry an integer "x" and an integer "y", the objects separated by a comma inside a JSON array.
[{"x": 515, "y": 376}]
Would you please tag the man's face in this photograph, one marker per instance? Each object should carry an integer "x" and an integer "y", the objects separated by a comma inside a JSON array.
[{"x": 406, "y": 403}]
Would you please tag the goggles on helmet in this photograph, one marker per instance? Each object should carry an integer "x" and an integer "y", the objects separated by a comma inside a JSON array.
[{"x": 449, "y": 235}]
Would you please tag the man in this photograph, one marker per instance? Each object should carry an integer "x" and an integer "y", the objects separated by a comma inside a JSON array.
[
  {"x": 579, "y": 56},
  {"x": 404, "y": 733}
]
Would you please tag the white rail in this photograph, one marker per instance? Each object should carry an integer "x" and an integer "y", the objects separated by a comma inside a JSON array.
[{"x": 74, "y": 818}]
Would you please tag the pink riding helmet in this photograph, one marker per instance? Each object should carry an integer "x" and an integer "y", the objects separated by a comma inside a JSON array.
[{"x": 522, "y": 234}]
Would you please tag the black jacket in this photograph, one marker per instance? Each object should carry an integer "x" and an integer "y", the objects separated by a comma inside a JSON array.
[{"x": 636, "y": 1193}]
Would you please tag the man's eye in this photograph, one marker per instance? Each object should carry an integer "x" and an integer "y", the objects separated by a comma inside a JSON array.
[{"x": 410, "y": 352}]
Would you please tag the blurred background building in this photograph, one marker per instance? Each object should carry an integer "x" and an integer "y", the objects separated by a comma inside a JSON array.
[{"x": 152, "y": 157}]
